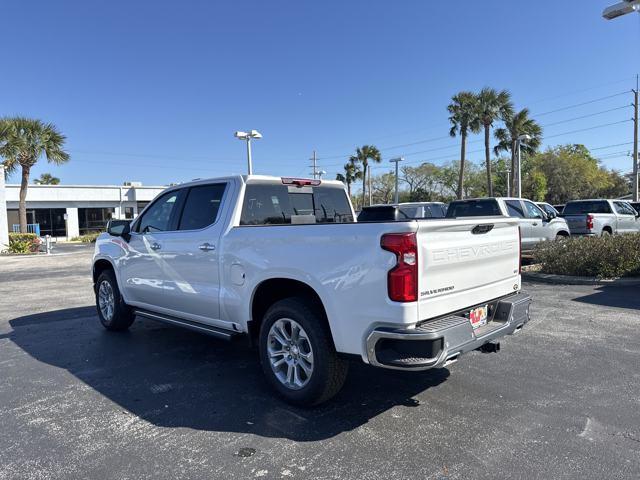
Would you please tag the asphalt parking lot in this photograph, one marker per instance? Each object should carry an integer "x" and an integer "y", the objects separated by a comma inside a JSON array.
[{"x": 561, "y": 400}]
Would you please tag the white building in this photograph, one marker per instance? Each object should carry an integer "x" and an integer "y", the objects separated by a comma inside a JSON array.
[{"x": 73, "y": 210}]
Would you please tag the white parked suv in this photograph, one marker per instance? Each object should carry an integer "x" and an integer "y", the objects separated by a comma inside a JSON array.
[
  {"x": 536, "y": 225},
  {"x": 282, "y": 262}
]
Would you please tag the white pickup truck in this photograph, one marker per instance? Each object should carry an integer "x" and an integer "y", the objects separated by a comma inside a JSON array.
[{"x": 281, "y": 261}]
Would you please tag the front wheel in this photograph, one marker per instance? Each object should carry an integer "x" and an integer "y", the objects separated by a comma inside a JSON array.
[
  {"x": 114, "y": 314},
  {"x": 297, "y": 354}
]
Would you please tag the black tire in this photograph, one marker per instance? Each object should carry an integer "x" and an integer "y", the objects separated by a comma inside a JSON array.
[
  {"x": 329, "y": 370},
  {"x": 123, "y": 315}
]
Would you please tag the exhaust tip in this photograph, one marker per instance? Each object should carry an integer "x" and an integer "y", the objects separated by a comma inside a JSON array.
[{"x": 492, "y": 347}]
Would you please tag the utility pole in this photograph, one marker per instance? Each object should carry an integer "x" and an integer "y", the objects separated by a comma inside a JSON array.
[
  {"x": 314, "y": 165},
  {"x": 396, "y": 161},
  {"x": 635, "y": 143}
]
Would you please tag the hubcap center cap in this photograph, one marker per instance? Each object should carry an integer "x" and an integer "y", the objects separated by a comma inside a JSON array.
[{"x": 295, "y": 350}]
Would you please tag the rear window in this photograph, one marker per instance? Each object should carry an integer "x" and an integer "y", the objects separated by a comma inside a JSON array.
[
  {"x": 266, "y": 204},
  {"x": 473, "y": 208},
  {"x": 579, "y": 208}
]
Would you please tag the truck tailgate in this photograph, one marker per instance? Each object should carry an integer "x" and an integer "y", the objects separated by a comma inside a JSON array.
[
  {"x": 464, "y": 262},
  {"x": 577, "y": 223}
]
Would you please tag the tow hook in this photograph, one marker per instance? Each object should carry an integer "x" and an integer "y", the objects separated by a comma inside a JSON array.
[{"x": 490, "y": 347}]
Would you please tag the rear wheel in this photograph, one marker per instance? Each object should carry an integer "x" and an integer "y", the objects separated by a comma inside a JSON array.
[
  {"x": 606, "y": 233},
  {"x": 114, "y": 314},
  {"x": 561, "y": 237},
  {"x": 297, "y": 353}
]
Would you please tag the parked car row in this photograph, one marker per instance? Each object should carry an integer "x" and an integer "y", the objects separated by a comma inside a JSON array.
[{"x": 538, "y": 222}]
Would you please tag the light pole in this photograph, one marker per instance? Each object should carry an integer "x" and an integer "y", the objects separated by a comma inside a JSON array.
[
  {"x": 519, "y": 142},
  {"x": 247, "y": 136},
  {"x": 621, "y": 8},
  {"x": 320, "y": 173},
  {"x": 396, "y": 161}
]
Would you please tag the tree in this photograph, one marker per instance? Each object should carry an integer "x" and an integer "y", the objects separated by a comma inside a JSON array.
[
  {"x": 515, "y": 125},
  {"x": 572, "y": 173},
  {"x": 474, "y": 184},
  {"x": 492, "y": 106},
  {"x": 351, "y": 174},
  {"x": 464, "y": 118},
  {"x": 362, "y": 157},
  {"x": 47, "y": 179},
  {"x": 421, "y": 180},
  {"x": 23, "y": 141},
  {"x": 383, "y": 187}
]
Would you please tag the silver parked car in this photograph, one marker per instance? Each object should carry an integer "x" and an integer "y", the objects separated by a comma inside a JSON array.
[{"x": 535, "y": 224}]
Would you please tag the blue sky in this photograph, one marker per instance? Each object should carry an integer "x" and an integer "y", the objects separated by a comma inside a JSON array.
[{"x": 153, "y": 90}]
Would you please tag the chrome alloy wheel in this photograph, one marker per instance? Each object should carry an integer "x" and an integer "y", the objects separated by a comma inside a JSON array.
[
  {"x": 106, "y": 300},
  {"x": 290, "y": 353}
]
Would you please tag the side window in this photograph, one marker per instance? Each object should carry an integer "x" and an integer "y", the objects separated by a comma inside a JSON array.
[
  {"x": 158, "y": 216},
  {"x": 622, "y": 208},
  {"x": 533, "y": 211},
  {"x": 514, "y": 208},
  {"x": 201, "y": 206}
]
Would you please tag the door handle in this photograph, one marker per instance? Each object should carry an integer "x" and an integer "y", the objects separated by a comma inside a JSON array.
[
  {"x": 535, "y": 224},
  {"x": 206, "y": 247},
  {"x": 155, "y": 246}
]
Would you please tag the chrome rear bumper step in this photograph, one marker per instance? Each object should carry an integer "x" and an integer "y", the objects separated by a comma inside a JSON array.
[
  {"x": 439, "y": 342},
  {"x": 195, "y": 326}
]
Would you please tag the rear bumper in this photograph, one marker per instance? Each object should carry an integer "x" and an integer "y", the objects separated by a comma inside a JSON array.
[{"x": 436, "y": 343}]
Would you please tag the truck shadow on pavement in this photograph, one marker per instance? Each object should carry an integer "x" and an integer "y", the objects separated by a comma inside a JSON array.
[
  {"x": 613, "y": 296},
  {"x": 172, "y": 377}
]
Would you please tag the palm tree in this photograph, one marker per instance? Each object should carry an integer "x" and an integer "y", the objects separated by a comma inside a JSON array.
[
  {"x": 362, "y": 156},
  {"x": 47, "y": 179},
  {"x": 22, "y": 142},
  {"x": 515, "y": 125},
  {"x": 492, "y": 106},
  {"x": 464, "y": 118},
  {"x": 351, "y": 174}
]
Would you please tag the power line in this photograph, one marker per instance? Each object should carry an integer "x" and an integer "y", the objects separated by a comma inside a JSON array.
[
  {"x": 585, "y": 116},
  {"x": 568, "y": 107}
]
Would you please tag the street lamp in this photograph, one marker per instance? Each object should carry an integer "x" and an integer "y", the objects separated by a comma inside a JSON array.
[
  {"x": 247, "y": 136},
  {"x": 519, "y": 144},
  {"x": 396, "y": 161},
  {"x": 320, "y": 173},
  {"x": 621, "y": 8}
]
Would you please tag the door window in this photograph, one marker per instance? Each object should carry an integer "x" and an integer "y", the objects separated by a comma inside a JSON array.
[
  {"x": 533, "y": 211},
  {"x": 158, "y": 216},
  {"x": 514, "y": 208},
  {"x": 201, "y": 206}
]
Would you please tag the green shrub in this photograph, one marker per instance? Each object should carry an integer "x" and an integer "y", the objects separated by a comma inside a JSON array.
[
  {"x": 23, "y": 243},
  {"x": 87, "y": 238},
  {"x": 601, "y": 257}
]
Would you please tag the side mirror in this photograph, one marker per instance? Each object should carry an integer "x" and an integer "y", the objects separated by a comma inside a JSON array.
[
  {"x": 119, "y": 228},
  {"x": 551, "y": 215}
]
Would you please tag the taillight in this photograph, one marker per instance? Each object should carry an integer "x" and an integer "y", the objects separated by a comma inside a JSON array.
[
  {"x": 519, "y": 250},
  {"x": 589, "y": 222},
  {"x": 402, "y": 280}
]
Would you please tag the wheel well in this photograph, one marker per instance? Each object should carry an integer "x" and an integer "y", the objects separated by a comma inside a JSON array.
[
  {"x": 274, "y": 290},
  {"x": 99, "y": 267},
  {"x": 563, "y": 233},
  {"x": 607, "y": 229}
]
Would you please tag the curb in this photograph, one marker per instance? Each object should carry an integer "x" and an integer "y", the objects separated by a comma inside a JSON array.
[{"x": 571, "y": 280}]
